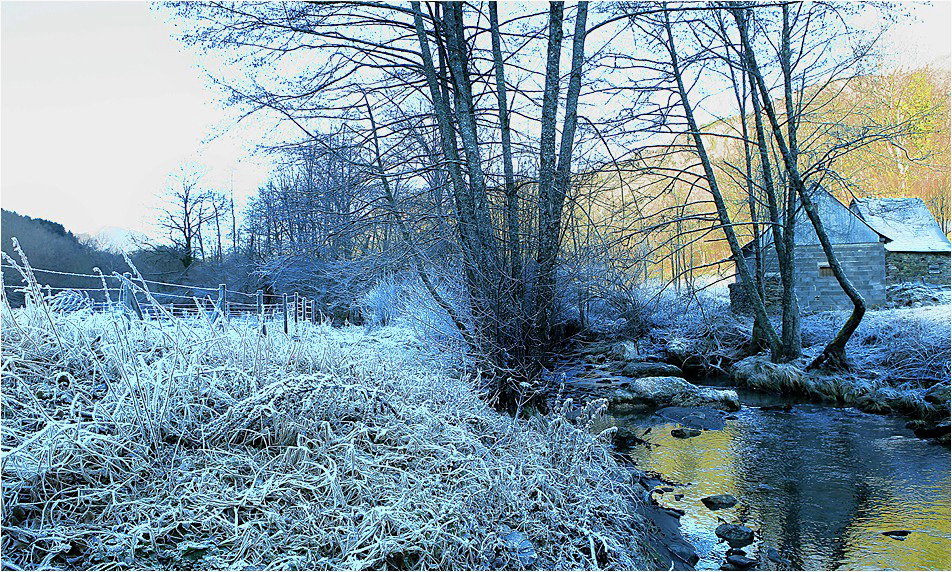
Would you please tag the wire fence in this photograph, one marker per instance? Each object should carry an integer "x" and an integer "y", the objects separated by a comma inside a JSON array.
[{"x": 146, "y": 299}]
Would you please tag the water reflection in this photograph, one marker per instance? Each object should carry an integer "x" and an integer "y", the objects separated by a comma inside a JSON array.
[{"x": 819, "y": 484}]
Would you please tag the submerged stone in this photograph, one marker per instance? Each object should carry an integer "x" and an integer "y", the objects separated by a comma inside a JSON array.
[
  {"x": 685, "y": 432},
  {"x": 774, "y": 555},
  {"x": 897, "y": 534},
  {"x": 685, "y": 552},
  {"x": 717, "y": 502},
  {"x": 740, "y": 562},
  {"x": 736, "y": 535},
  {"x": 698, "y": 417},
  {"x": 932, "y": 430}
]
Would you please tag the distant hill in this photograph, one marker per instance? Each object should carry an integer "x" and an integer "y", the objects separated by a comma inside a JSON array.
[
  {"x": 672, "y": 223},
  {"x": 48, "y": 245}
]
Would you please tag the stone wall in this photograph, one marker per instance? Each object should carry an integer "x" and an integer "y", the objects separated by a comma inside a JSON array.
[
  {"x": 817, "y": 289},
  {"x": 864, "y": 265},
  {"x": 773, "y": 293},
  {"x": 929, "y": 267}
]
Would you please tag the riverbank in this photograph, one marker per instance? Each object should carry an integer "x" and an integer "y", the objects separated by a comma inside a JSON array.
[
  {"x": 181, "y": 445},
  {"x": 900, "y": 358}
]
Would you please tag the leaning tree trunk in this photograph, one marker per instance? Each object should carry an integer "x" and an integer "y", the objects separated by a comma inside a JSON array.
[
  {"x": 746, "y": 280},
  {"x": 833, "y": 355}
]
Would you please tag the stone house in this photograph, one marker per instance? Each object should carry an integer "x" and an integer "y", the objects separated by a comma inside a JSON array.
[
  {"x": 877, "y": 241},
  {"x": 858, "y": 247},
  {"x": 916, "y": 249}
]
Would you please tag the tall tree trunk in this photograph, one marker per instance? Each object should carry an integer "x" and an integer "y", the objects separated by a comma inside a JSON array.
[
  {"x": 512, "y": 196},
  {"x": 547, "y": 166},
  {"x": 833, "y": 355},
  {"x": 746, "y": 280},
  {"x": 234, "y": 227},
  {"x": 555, "y": 178},
  {"x": 758, "y": 339},
  {"x": 782, "y": 234}
]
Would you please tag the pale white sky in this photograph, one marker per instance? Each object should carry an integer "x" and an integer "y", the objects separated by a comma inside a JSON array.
[{"x": 98, "y": 104}]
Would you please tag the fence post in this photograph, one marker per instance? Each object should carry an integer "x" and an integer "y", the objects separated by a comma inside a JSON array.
[
  {"x": 220, "y": 305},
  {"x": 297, "y": 310},
  {"x": 260, "y": 296},
  {"x": 128, "y": 295},
  {"x": 284, "y": 305}
]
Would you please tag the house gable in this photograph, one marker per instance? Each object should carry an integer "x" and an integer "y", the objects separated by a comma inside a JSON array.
[{"x": 842, "y": 225}]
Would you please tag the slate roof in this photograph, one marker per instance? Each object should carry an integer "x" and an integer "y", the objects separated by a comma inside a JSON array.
[
  {"x": 843, "y": 225},
  {"x": 905, "y": 223}
]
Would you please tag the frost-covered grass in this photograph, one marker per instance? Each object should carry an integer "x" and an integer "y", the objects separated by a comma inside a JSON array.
[
  {"x": 176, "y": 444},
  {"x": 700, "y": 327},
  {"x": 897, "y": 346},
  {"x": 897, "y": 354}
]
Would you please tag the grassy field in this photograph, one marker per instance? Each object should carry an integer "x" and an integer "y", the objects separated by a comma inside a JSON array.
[{"x": 179, "y": 444}]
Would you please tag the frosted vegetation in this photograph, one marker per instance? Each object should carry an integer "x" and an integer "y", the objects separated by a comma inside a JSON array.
[
  {"x": 177, "y": 443},
  {"x": 897, "y": 354}
]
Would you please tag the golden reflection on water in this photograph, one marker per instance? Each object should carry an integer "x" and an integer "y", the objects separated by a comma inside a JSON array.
[{"x": 820, "y": 487}]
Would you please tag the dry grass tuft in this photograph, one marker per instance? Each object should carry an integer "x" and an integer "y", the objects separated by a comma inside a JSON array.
[{"x": 175, "y": 444}]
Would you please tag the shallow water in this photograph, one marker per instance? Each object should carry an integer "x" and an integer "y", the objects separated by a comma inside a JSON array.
[{"x": 820, "y": 484}]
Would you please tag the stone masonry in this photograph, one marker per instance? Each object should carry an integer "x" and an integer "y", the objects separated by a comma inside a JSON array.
[
  {"x": 863, "y": 264},
  {"x": 817, "y": 288},
  {"x": 929, "y": 267}
]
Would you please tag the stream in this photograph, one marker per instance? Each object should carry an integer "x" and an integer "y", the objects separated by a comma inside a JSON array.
[{"x": 818, "y": 484}]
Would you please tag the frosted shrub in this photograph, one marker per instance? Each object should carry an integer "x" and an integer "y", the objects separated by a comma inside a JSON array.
[{"x": 379, "y": 304}]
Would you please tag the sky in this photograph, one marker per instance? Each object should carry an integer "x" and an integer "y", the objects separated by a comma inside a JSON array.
[{"x": 99, "y": 104}]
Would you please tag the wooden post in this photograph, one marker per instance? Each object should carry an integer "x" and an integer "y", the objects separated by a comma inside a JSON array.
[
  {"x": 260, "y": 296},
  {"x": 284, "y": 306},
  {"x": 297, "y": 309},
  {"x": 313, "y": 311},
  {"x": 128, "y": 295},
  {"x": 220, "y": 305}
]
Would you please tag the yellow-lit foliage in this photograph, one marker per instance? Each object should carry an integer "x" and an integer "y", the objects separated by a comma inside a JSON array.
[{"x": 880, "y": 135}]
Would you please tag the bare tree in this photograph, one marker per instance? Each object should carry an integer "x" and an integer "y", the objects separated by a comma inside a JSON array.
[{"x": 187, "y": 212}]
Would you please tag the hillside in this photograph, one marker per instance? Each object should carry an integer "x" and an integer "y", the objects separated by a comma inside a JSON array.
[
  {"x": 48, "y": 245},
  {"x": 903, "y": 115}
]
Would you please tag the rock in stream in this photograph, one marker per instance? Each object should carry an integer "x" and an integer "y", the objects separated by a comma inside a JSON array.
[{"x": 650, "y": 393}]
